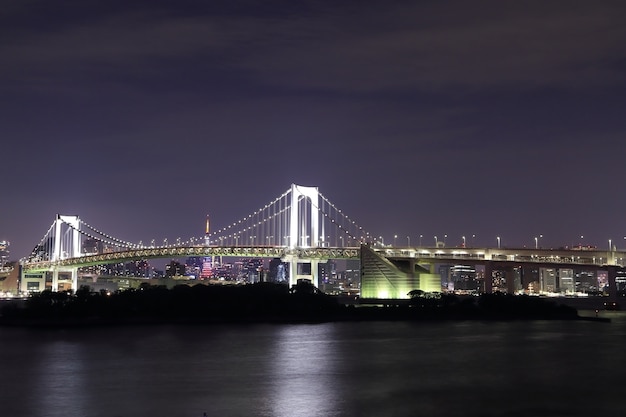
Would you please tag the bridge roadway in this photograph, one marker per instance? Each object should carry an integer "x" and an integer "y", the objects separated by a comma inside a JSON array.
[
  {"x": 564, "y": 257},
  {"x": 199, "y": 251}
]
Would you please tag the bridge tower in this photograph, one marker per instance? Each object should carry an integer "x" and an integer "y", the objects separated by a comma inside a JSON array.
[
  {"x": 62, "y": 248},
  {"x": 304, "y": 220},
  {"x": 62, "y": 241}
]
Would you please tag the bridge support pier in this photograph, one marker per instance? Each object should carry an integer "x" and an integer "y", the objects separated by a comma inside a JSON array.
[
  {"x": 55, "y": 280},
  {"x": 67, "y": 274},
  {"x": 303, "y": 269},
  {"x": 488, "y": 278}
]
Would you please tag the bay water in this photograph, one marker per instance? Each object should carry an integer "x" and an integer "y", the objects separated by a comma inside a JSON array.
[{"x": 449, "y": 368}]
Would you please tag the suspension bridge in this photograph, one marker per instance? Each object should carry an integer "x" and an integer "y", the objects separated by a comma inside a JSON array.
[{"x": 303, "y": 228}]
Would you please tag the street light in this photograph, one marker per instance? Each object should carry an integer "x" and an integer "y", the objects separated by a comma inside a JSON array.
[
  {"x": 435, "y": 241},
  {"x": 421, "y": 236},
  {"x": 610, "y": 247},
  {"x": 498, "y": 242},
  {"x": 536, "y": 242},
  {"x": 408, "y": 241},
  {"x": 394, "y": 240},
  {"x": 463, "y": 241},
  {"x": 444, "y": 240}
]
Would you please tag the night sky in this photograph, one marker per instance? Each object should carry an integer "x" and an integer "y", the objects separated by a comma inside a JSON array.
[{"x": 492, "y": 118}]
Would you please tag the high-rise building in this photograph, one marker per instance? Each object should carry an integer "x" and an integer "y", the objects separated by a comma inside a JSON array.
[
  {"x": 586, "y": 282},
  {"x": 567, "y": 284},
  {"x": 278, "y": 271},
  {"x": 174, "y": 269},
  {"x": 548, "y": 280},
  {"x": 463, "y": 277},
  {"x": 138, "y": 268},
  {"x": 4, "y": 252},
  {"x": 253, "y": 270}
]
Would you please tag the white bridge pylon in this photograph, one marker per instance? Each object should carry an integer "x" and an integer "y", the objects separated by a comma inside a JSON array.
[
  {"x": 299, "y": 230},
  {"x": 72, "y": 248},
  {"x": 303, "y": 224},
  {"x": 66, "y": 247}
]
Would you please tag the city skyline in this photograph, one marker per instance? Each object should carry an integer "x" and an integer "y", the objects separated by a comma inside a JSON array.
[{"x": 425, "y": 119}]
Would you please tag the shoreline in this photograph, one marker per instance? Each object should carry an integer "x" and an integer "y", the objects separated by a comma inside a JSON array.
[
  {"x": 267, "y": 303},
  {"x": 379, "y": 315}
]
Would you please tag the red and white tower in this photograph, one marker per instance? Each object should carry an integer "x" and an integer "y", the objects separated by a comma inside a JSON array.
[{"x": 207, "y": 263}]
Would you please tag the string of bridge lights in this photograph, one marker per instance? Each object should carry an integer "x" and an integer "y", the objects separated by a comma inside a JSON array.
[
  {"x": 252, "y": 226},
  {"x": 344, "y": 215},
  {"x": 230, "y": 226},
  {"x": 220, "y": 233},
  {"x": 106, "y": 238},
  {"x": 242, "y": 231},
  {"x": 112, "y": 240},
  {"x": 43, "y": 239}
]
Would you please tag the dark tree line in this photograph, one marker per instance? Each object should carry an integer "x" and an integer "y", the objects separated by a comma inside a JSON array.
[
  {"x": 261, "y": 301},
  {"x": 267, "y": 302}
]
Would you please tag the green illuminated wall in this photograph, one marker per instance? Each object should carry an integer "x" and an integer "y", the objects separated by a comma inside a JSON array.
[{"x": 380, "y": 278}]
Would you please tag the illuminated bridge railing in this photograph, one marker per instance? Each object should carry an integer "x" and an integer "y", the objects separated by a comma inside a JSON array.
[
  {"x": 199, "y": 251},
  {"x": 523, "y": 255}
]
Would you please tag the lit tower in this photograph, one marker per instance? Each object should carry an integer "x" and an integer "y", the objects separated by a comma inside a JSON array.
[
  {"x": 206, "y": 232},
  {"x": 207, "y": 263}
]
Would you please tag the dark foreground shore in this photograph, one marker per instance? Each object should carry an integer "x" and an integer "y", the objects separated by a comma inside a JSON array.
[{"x": 263, "y": 303}]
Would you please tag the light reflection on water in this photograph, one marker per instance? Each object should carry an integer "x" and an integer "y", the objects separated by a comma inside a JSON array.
[
  {"x": 336, "y": 369},
  {"x": 302, "y": 373},
  {"x": 61, "y": 379}
]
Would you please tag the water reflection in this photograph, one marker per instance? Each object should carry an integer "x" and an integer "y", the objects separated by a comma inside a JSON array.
[
  {"x": 61, "y": 380},
  {"x": 334, "y": 369},
  {"x": 303, "y": 371}
]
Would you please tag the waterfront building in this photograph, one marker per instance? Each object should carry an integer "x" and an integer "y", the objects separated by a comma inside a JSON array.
[
  {"x": 548, "y": 280},
  {"x": 499, "y": 281},
  {"x": 386, "y": 278},
  {"x": 566, "y": 281},
  {"x": 529, "y": 277},
  {"x": 462, "y": 278},
  {"x": 586, "y": 282}
]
